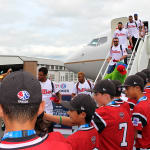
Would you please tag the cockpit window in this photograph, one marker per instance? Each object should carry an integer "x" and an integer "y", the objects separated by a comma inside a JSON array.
[
  {"x": 98, "y": 41},
  {"x": 94, "y": 42},
  {"x": 102, "y": 40}
]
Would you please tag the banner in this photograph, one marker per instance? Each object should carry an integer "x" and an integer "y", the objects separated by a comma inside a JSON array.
[
  {"x": 58, "y": 110},
  {"x": 65, "y": 87}
]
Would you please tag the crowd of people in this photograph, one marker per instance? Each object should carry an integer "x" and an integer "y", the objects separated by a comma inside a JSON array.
[
  {"x": 130, "y": 34},
  {"x": 104, "y": 120}
]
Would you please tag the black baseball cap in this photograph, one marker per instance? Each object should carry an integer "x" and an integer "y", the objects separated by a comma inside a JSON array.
[
  {"x": 147, "y": 72},
  {"x": 136, "y": 14},
  {"x": 20, "y": 88},
  {"x": 134, "y": 80},
  {"x": 105, "y": 86},
  {"x": 143, "y": 76},
  {"x": 118, "y": 86},
  {"x": 81, "y": 102}
]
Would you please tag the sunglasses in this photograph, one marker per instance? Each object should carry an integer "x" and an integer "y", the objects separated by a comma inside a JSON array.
[{"x": 116, "y": 41}]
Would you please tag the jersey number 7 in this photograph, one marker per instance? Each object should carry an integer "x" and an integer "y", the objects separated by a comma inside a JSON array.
[{"x": 125, "y": 127}]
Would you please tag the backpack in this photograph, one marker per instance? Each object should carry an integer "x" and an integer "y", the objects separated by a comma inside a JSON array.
[
  {"x": 121, "y": 49},
  {"x": 52, "y": 84},
  {"x": 87, "y": 82},
  {"x": 134, "y": 22}
]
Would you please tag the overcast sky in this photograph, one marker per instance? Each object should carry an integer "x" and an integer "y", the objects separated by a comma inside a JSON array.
[{"x": 57, "y": 28}]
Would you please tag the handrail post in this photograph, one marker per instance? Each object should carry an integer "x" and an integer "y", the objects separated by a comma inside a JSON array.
[
  {"x": 100, "y": 71},
  {"x": 132, "y": 55}
]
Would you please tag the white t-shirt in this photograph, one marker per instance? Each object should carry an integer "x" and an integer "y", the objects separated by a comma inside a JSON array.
[
  {"x": 133, "y": 29},
  {"x": 123, "y": 36},
  {"x": 116, "y": 53},
  {"x": 46, "y": 88},
  {"x": 82, "y": 87}
]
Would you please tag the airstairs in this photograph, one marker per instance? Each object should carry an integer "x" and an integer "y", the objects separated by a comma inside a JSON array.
[{"x": 137, "y": 61}]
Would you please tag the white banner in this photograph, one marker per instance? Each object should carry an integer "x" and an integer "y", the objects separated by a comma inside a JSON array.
[{"x": 65, "y": 87}]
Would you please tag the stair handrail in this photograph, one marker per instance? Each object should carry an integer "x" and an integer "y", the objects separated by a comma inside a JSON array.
[
  {"x": 100, "y": 71},
  {"x": 133, "y": 53},
  {"x": 106, "y": 69}
]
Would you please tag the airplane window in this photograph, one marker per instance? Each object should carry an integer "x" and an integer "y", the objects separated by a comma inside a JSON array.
[
  {"x": 102, "y": 40},
  {"x": 94, "y": 42},
  {"x": 98, "y": 41}
]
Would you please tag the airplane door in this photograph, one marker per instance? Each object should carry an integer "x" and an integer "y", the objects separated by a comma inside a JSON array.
[{"x": 114, "y": 23}]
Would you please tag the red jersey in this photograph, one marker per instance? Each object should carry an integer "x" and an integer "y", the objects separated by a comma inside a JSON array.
[
  {"x": 84, "y": 139},
  {"x": 115, "y": 128},
  {"x": 131, "y": 103},
  {"x": 141, "y": 121},
  {"x": 123, "y": 104},
  {"x": 147, "y": 91},
  {"x": 51, "y": 141}
]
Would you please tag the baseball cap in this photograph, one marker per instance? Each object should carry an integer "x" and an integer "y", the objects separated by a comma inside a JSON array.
[
  {"x": 20, "y": 88},
  {"x": 105, "y": 86},
  {"x": 147, "y": 72},
  {"x": 134, "y": 80},
  {"x": 117, "y": 83},
  {"x": 81, "y": 102},
  {"x": 136, "y": 14},
  {"x": 143, "y": 76}
]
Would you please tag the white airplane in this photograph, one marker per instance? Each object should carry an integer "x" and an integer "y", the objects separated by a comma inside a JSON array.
[{"x": 90, "y": 59}]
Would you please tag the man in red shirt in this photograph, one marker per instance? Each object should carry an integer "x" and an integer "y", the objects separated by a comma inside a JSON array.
[
  {"x": 81, "y": 110},
  {"x": 141, "y": 115},
  {"x": 112, "y": 121},
  {"x": 20, "y": 104}
]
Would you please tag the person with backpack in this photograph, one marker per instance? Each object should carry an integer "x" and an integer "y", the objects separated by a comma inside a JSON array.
[
  {"x": 123, "y": 36},
  {"x": 48, "y": 88},
  {"x": 133, "y": 29},
  {"x": 117, "y": 53},
  {"x": 138, "y": 21},
  {"x": 140, "y": 25},
  {"x": 83, "y": 86}
]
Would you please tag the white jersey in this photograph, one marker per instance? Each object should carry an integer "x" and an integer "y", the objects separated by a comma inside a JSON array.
[
  {"x": 123, "y": 36},
  {"x": 46, "y": 88},
  {"x": 139, "y": 23},
  {"x": 82, "y": 87},
  {"x": 116, "y": 53},
  {"x": 133, "y": 29}
]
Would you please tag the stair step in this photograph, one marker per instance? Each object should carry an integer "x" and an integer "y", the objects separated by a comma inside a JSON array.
[
  {"x": 129, "y": 59},
  {"x": 130, "y": 65},
  {"x": 129, "y": 51},
  {"x": 129, "y": 56}
]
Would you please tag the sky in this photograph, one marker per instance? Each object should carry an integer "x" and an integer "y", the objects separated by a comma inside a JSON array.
[{"x": 58, "y": 28}]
